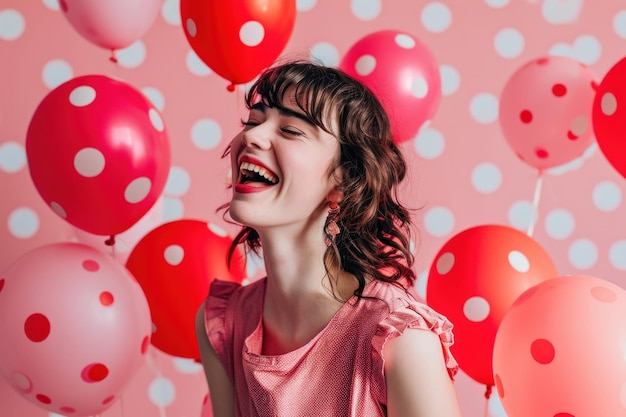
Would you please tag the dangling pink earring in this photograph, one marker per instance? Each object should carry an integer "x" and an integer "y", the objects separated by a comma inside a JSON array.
[{"x": 332, "y": 229}]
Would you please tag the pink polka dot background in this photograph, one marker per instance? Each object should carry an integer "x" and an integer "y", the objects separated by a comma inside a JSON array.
[{"x": 463, "y": 172}]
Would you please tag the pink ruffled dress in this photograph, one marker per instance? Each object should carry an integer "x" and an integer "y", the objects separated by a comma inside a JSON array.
[{"x": 340, "y": 372}]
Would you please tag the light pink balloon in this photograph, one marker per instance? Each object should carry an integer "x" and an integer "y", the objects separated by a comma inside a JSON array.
[
  {"x": 560, "y": 350},
  {"x": 545, "y": 111},
  {"x": 75, "y": 328},
  {"x": 111, "y": 24},
  {"x": 404, "y": 75}
]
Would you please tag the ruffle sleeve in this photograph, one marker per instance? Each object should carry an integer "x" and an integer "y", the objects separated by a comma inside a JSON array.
[
  {"x": 218, "y": 328},
  {"x": 415, "y": 315}
]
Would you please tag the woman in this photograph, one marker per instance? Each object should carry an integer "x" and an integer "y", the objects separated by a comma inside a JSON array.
[{"x": 333, "y": 329}]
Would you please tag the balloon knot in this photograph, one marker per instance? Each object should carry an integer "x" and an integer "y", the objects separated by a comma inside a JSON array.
[
  {"x": 231, "y": 87},
  {"x": 110, "y": 241},
  {"x": 488, "y": 391},
  {"x": 113, "y": 58}
]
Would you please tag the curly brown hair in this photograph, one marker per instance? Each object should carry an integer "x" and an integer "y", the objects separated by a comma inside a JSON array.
[{"x": 375, "y": 227}]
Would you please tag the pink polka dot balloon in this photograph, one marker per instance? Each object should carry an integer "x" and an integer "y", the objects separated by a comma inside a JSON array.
[
  {"x": 474, "y": 279},
  {"x": 560, "y": 350},
  {"x": 98, "y": 153},
  {"x": 404, "y": 75},
  {"x": 545, "y": 111},
  {"x": 609, "y": 116},
  {"x": 238, "y": 38},
  {"x": 75, "y": 328}
]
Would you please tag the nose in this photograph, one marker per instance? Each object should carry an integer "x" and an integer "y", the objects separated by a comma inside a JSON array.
[{"x": 258, "y": 136}]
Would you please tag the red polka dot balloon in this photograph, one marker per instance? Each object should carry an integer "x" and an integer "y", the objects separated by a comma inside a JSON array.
[
  {"x": 609, "y": 116},
  {"x": 561, "y": 350},
  {"x": 238, "y": 38},
  {"x": 545, "y": 111},
  {"x": 474, "y": 279},
  {"x": 98, "y": 153},
  {"x": 175, "y": 264},
  {"x": 75, "y": 328},
  {"x": 404, "y": 75}
]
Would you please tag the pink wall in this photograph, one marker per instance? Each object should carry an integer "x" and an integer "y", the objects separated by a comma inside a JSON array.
[{"x": 463, "y": 171}]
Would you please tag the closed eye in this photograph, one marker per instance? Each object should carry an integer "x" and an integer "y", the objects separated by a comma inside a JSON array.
[{"x": 249, "y": 123}]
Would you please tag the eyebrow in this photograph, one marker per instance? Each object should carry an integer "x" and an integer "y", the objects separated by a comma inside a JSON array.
[{"x": 262, "y": 107}]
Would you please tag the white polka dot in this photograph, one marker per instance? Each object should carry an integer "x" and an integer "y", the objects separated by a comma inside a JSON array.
[
  {"x": 21, "y": 382},
  {"x": 219, "y": 231},
  {"x": 404, "y": 41},
  {"x": 170, "y": 11},
  {"x": 132, "y": 56},
  {"x": 429, "y": 143},
  {"x": 419, "y": 87},
  {"x": 509, "y": 43},
  {"x": 51, "y": 4},
  {"x": 585, "y": 48},
  {"x": 178, "y": 182},
  {"x": 206, "y": 134},
  {"x": 174, "y": 254},
  {"x": 325, "y": 52},
  {"x": 366, "y": 9},
  {"x": 521, "y": 214},
  {"x": 137, "y": 190},
  {"x": 251, "y": 33},
  {"x": 12, "y": 24},
  {"x": 192, "y": 29},
  {"x": 162, "y": 392},
  {"x": 450, "y": 79},
  {"x": 484, "y": 108},
  {"x": 196, "y": 66},
  {"x": 187, "y": 366},
  {"x": 12, "y": 157},
  {"x": 496, "y": 4},
  {"x": 519, "y": 261},
  {"x": 156, "y": 120},
  {"x": 476, "y": 309},
  {"x": 560, "y": 11},
  {"x": 439, "y": 221},
  {"x": 583, "y": 253},
  {"x": 365, "y": 65},
  {"x": 436, "y": 17},
  {"x": 173, "y": 209},
  {"x": 56, "y": 72},
  {"x": 608, "y": 104},
  {"x": 23, "y": 222},
  {"x": 82, "y": 96},
  {"x": 89, "y": 162},
  {"x": 486, "y": 177},
  {"x": 579, "y": 125},
  {"x": 445, "y": 263},
  {"x": 607, "y": 196},
  {"x": 305, "y": 5},
  {"x": 58, "y": 209},
  {"x": 617, "y": 255},
  {"x": 619, "y": 23},
  {"x": 155, "y": 96},
  {"x": 559, "y": 224}
]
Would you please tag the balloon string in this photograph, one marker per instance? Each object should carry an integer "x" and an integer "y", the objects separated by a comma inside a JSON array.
[
  {"x": 487, "y": 396},
  {"x": 536, "y": 198}
]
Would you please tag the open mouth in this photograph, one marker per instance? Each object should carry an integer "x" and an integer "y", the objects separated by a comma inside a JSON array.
[{"x": 253, "y": 174}]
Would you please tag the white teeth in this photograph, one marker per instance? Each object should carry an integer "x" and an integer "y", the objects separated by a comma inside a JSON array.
[{"x": 249, "y": 166}]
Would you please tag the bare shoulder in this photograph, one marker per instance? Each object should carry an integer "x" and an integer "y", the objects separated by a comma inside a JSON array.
[
  {"x": 418, "y": 383},
  {"x": 220, "y": 387}
]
